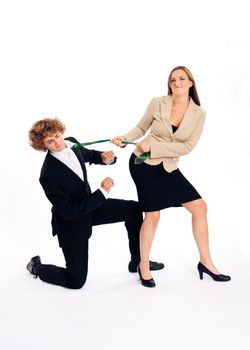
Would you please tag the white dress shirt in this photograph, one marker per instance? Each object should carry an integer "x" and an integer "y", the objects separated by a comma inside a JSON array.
[{"x": 69, "y": 158}]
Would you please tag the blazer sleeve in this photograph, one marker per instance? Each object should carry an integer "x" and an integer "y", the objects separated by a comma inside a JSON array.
[
  {"x": 94, "y": 157},
  {"x": 91, "y": 156},
  {"x": 66, "y": 207},
  {"x": 175, "y": 148},
  {"x": 144, "y": 124}
]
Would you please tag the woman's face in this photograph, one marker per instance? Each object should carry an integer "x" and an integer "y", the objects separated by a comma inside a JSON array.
[
  {"x": 180, "y": 83},
  {"x": 54, "y": 142}
]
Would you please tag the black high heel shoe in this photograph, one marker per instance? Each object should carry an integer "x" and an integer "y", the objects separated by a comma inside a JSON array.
[
  {"x": 219, "y": 278},
  {"x": 146, "y": 283}
]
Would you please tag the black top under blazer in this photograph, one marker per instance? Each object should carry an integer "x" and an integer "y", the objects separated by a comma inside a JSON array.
[{"x": 71, "y": 198}]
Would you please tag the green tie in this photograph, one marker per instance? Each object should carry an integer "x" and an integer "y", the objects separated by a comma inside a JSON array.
[{"x": 138, "y": 160}]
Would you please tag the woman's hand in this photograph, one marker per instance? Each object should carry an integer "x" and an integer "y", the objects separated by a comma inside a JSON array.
[
  {"x": 118, "y": 141},
  {"x": 143, "y": 146}
]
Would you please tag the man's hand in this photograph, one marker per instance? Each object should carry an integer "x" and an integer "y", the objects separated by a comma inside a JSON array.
[
  {"x": 107, "y": 184},
  {"x": 143, "y": 146},
  {"x": 118, "y": 141},
  {"x": 108, "y": 157}
]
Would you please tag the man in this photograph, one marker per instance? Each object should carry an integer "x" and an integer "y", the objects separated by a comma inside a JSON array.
[{"x": 75, "y": 209}]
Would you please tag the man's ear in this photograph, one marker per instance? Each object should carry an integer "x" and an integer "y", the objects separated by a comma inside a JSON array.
[{"x": 44, "y": 148}]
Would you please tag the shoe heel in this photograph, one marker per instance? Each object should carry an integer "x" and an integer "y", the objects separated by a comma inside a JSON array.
[{"x": 216, "y": 277}]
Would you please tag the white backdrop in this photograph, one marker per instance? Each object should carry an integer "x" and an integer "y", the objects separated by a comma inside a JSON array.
[{"x": 96, "y": 65}]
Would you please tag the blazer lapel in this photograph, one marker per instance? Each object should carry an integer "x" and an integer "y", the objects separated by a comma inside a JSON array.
[
  {"x": 79, "y": 155},
  {"x": 57, "y": 163},
  {"x": 187, "y": 118},
  {"x": 65, "y": 169},
  {"x": 166, "y": 106}
]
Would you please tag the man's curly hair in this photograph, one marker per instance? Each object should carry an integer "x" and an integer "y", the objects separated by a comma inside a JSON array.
[{"x": 43, "y": 128}]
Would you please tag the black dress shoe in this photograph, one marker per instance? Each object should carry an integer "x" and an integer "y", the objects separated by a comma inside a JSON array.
[
  {"x": 33, "y": 265},
  {"x": 153, "y": 265},
  {"x": 146, "y": 283},
  {"x": 219, "y": 278}
]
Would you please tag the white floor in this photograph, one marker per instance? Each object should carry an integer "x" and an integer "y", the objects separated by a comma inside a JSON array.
[
  {"x": 96, "y": 65},
  {"x": 113, "y": 311}
]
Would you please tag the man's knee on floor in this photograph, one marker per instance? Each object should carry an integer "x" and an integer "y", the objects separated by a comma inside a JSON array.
[{"x": 76, "y": 283}]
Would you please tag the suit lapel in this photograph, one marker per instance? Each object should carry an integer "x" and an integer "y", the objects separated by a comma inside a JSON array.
[
  {"x": 166, "y": 106},
  {"x": 65, "y": 170},
  {"x": 187, "y": 118},
  {"x": 79, "y": 155}
]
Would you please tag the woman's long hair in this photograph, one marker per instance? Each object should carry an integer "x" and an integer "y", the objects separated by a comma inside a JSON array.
[{"x": 192, "y": 91}]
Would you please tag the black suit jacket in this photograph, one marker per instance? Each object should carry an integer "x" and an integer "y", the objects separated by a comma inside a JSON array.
[{"x": 71, "y": 198}]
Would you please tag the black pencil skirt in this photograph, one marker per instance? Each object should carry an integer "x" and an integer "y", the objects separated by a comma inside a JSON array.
[{"x": 157, "y": 189}]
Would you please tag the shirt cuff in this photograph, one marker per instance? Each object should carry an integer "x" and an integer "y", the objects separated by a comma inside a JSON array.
[{"x": 106, "y": 195}]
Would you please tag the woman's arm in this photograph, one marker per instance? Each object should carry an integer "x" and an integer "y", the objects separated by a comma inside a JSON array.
[
  {"x": 144, "y": 124},
  {"x": 140, "y": 129}
]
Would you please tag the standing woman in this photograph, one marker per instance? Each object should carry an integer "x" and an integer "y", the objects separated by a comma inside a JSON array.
[{"x": 175, "y": 122}]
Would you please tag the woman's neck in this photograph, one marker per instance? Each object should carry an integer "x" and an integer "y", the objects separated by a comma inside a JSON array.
[{"x": 180, "y": 100}]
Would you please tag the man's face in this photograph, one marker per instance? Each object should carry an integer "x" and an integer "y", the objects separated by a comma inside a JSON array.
[{"x": 54, "y": 142}]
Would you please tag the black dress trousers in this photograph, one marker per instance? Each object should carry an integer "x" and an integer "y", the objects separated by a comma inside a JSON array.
[{"x": 75, "y": 245}]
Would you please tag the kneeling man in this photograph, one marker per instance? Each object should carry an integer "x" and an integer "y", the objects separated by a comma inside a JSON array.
[{"x": 75, "y": 208}]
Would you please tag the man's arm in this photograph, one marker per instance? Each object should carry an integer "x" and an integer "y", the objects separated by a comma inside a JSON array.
[
  {"x": 91, "y": 156},
  {"x": 67, "y": 208}
]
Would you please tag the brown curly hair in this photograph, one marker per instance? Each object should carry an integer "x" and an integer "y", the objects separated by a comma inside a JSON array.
[{"x": 43, "y": 128}]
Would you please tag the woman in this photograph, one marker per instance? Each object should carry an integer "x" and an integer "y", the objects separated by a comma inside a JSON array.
[{"x": 175, "y": 122}]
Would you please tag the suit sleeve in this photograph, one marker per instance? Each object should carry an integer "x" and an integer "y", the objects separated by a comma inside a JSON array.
[
  {"x": 144, "y": 124},
  {"x": 176, "y": 149},
  {"x": 91, "y": 156},
  {"x": 94, "y": 157},
  {"x": 68, "y": 208}
]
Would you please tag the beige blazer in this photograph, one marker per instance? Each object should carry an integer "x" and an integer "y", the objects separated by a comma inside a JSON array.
[{"x": 167, "y": 146}]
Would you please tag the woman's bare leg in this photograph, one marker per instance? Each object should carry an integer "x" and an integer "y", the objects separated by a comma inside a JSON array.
[
  {"x": 147, "y": 233},
  {"x": 198, "y": 209}
]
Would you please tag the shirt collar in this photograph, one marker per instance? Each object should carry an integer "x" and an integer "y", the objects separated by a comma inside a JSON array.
[{"x": 66, "y": 150}]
